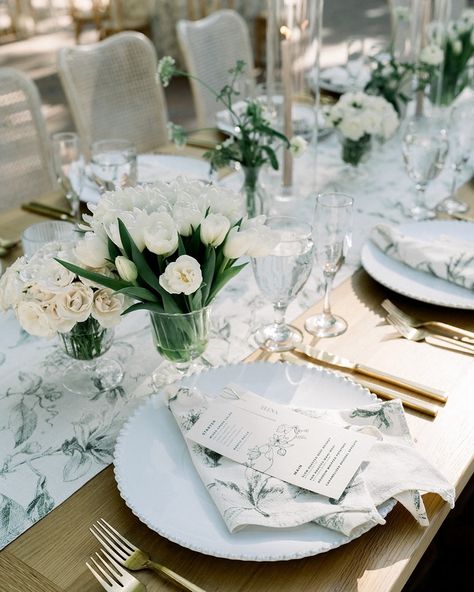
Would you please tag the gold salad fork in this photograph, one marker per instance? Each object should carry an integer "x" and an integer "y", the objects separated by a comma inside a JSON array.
[
  {"x": 420, "y": 334},
  {"x": 112, "y": 576},
  {"x": 433, "y": 326},
  {"x": 133, "y": 558}
]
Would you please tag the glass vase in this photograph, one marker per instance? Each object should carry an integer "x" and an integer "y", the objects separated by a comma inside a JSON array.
[
  {"x": 355, "y": 152},
  {"x": 86, "y": 343},
  {"x": 180, "y": 338},
  {"x": 255, "y": 196}
]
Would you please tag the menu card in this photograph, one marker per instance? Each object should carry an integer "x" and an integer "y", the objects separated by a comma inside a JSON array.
[{"x": 274, "y": 439}]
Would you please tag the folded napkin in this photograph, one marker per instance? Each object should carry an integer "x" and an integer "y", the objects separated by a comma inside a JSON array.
[
  {"x": 247, "y": 497},
  {"x": 444, "y": 257}
]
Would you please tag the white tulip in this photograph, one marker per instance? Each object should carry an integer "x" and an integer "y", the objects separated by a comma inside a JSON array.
[
  {"x": 432, "y": 55},
  {"x": 214, "y": 229},
  {"x": 187, "y": 218},
  {"x": 238, "y": 242},
  {"x": 134, "y": 222},
  {"x": 75, "y": 302},
  {"x": 161, "y": 234},
  {"x": 34, "y": 319},
  {"x": 107, "y": 307},
  {"x": 297, "y": 146},
  {"x": 457, "y": 47},
  {"x": 184, "y": 276},
  {"x": 126, "y": 269},
  {"x": 92, "y": 251}
]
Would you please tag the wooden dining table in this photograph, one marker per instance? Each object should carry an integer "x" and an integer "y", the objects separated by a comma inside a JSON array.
[{"x": 51, "y": 555}]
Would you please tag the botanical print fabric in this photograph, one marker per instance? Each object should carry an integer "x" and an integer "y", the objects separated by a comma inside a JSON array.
[
  {"x": 245, "y": 496},
  {"x": 52, "y": 441}
]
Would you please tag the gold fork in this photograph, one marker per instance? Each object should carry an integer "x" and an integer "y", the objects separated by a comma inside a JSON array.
[
  {"x": 112, "y": 576},
  {"x": 433, "y": 326},
  {"x": 420, "y": 334},
  {"x": 133, "y": 558}
]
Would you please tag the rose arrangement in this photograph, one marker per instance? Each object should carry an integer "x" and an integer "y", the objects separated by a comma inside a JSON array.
[
  {"x": 358, "y": 117},
  {"x": 169, "y": 246},
  {"x": 255, "y": 142},
  {"x": 49, "y": 299}
]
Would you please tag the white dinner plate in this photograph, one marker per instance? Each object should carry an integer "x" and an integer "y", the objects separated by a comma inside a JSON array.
[
  {"x": 414, "y": 283},
  {"x": 156, "y": 167},
  {"x": 336, "y": 79},
  {"x": 158, "y": 482}
]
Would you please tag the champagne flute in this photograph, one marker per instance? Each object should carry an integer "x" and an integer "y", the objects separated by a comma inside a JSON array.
[
  {"x": 280, "y": 276},
  {"x": 332, "y": 236},
  {"x": 461, "y": 134},
  {"x": 424, "y": 149},
  {"x": 69, "y": 167},
  {"x": 355, "y": 60}
]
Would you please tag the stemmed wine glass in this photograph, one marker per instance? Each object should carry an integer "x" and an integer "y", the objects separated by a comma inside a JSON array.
[
  {"x": 332, "y": 236},
  {"x": 280, "y": 276},
  {"x": 355, "y": 60},
  {"x": 424, "y": 149},
  {"x": 461, "y": 144},
  {"x": 69, "y": 167}
]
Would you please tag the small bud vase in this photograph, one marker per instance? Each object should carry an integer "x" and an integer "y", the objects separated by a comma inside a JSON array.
[
  {"x": 355, "y": 152},
  {"x": 86, "y": 343},
  {"x": 255, "y": 196}
]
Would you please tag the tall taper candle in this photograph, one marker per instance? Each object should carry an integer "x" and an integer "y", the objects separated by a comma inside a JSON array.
[{"x": 287, "y": 99}]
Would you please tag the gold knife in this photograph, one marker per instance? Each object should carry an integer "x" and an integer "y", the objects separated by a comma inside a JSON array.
[
  {"x": 49, "y": 211},
  {"x": 382, "y": 391},
  {"x": 329, "y": 359}
]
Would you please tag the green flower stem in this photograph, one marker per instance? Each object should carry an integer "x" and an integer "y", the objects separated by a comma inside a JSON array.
[
  {"x": 85, "y": 341},
  {"x": 354, "y": 150}
]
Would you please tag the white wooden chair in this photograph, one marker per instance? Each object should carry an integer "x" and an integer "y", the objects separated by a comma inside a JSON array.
[
  {"x": 210, "y": 47},
  {"x": 25, "y": 157},
  {"x": 112, "y": 91}
]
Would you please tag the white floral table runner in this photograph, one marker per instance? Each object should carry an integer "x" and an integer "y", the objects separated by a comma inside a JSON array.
[{"x": 52, "y": 441}]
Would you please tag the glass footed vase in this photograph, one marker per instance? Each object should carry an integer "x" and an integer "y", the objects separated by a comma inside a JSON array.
[
  {"x": 254, "y": 193},
  {"x": 180, "y": 338},
  {"x": 86, "y": 342}
]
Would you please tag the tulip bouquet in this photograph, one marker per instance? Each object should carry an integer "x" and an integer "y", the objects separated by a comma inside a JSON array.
[
  {"x": 48, "y": 299},
  {"x": 169, "y": 246}
]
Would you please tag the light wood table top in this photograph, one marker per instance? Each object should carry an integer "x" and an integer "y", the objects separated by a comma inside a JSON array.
[{"x": 51, "y": 555}]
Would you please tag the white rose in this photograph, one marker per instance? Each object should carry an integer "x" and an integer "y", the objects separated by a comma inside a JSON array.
[
  {"x": 39, "y": 292},
  {"x": 11, "y": 286},
  {"x": 92, "y": 251},
  {"x": 297, "y": 146},
  {"x": 56, "y": 321},
  {"x": 238, "y": 242},
  {"x": 214, "y": 229},
  {"x": 53, "y": 273},
  {"x": 182, "y": 277},
  {"x": 161, "y": 234},
  {"x": 186, "y": 218},
  {"x": 352, "y": 128},
  {"x": 107, "y": 307},
  {"x": 432, "y": 55},
  {"x": 75, "y": 302},
  {"x": 126, "y": 269},
  {"x": 34, "y": 319}
]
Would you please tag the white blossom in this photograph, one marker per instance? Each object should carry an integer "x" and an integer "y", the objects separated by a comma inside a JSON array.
[
  {"x": 107, "y": 307},
  {"x": 432, "y": 55},
  {"x": 126, "y": 269},
  {"x": 214, "y": 229},
  {"x": 160, "y": 234},
  {"x": 297, "y": 146},
  {"x": 92, "y": 251},
  {"x": 183, "y": 276},
  {"x": 75, "y": 302}
]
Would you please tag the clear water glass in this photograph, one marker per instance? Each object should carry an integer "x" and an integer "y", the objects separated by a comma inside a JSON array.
[
  {"x": 332, "y": 238},
  {"x": 114, "y": 163},
  {"x": 425, "y": 147},
  {"x": 36, "y": 236},
  {"x": 461, "y": 145},
  {"x": 69, "y": 167},
  {"x": 280, "y": 276}
]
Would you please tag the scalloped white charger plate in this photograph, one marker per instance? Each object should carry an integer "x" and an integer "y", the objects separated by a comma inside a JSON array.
[
  {"x": 417, "y": 284},
  {"x": 158, "y": 482}
]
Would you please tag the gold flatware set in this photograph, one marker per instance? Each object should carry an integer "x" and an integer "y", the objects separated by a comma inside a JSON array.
[{"x": 118, "y": 553}]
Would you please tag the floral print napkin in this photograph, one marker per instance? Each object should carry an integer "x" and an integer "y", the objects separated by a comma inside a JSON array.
[
  {"x": 247, "y": 497},
  {"x": 445, "y": 258}
]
